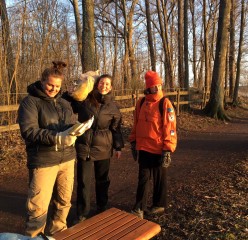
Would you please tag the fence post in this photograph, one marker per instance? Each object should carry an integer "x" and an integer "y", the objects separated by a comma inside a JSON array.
[{"x": 178, "y": 101}]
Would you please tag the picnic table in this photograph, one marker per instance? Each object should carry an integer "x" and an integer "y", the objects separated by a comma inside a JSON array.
[{"x": 111, "y": 224}]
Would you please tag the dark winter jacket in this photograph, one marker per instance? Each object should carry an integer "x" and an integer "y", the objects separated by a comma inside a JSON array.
[
  {"x": 40, "y": 118},
  {"x": 98, "y": 142}
]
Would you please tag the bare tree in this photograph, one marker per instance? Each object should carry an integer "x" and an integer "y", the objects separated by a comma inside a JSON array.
[
  {"x": 128, "y": 39},
  {"x": 192, "y": 9},
  {"x": 206, "y": 48},
  {"x": 149, "y": 36},
  {"x": 215, "y": 106},
  {"x": 162, "y": 17},
  {"x": 88, "y": 37},
  {"x": 115, "y": 41},
  {"x": 186, "y": 47},
  {"x": 241, "y": 38},
  {"x": 10, "y": 65},
  {"x": 180, "y": 44},
  {"x": 232, "y": 49},
  {"x": 78, "y": 25}
]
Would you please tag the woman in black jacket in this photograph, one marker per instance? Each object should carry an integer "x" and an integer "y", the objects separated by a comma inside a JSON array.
[
  {"x": 95, "y": 147},
  {"x": 45, "y": 120}
]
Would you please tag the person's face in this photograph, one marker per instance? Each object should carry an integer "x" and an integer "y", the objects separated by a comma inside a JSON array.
[
  {"x": 155, "y": 89},
  {"x": 52, "y": 86},
  {"x": 104, "y": 86}
]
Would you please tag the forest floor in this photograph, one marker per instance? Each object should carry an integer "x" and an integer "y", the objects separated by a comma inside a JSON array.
[{"x": 207, "y": 180}]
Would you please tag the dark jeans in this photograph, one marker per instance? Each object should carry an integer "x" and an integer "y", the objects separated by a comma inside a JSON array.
[
  {"x": 150, "y": 168},
  {"x": 84, "y": 176}
]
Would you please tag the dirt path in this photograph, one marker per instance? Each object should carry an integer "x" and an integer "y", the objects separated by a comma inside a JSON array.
[{"x": 204, "y": 159}]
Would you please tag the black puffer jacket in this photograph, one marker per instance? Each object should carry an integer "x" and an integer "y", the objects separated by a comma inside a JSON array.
[
  {"x": 98, "y": 142},
  {"x": 40, "y": 118}
]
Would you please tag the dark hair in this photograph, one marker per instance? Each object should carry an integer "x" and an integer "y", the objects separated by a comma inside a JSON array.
[
  {"x": 101, "y": 77},
  {"x": 55, "y": 71},
  {"x": 94, "y": 92}
]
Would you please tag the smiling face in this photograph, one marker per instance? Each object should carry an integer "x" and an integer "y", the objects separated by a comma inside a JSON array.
[
  {"x": 52, "y": 86},
  {"x": 104, "y": 86}
]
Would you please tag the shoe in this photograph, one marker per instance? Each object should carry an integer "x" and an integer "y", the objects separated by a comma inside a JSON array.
[
  {"x": 155, "y": 210},
  {"x": 137, "y": 212}
]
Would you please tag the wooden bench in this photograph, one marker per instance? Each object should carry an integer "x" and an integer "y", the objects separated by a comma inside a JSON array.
[{"x": 111, "y": 224}]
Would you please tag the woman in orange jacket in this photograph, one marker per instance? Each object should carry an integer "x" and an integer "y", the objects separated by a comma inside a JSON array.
[{"x": 153, "y": 138}]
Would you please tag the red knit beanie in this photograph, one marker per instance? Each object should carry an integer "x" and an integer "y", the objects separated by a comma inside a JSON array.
[{"x": 152, "y": 79}]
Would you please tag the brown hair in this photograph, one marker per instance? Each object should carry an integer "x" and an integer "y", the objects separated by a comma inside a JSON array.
[
  {"x": 55, "y": 71},
  {"x": 101, "y": 77},
  {"x": 92, "y": 97}
]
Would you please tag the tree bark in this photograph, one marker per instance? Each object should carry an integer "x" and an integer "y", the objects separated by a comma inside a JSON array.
[
  {"x": 192, "y": 9},
  {"x": 78, "y": 26},
  {"x": 186, "y": 47},
  {"x": 149, "y": 36},
  {"x": 241, "y": 39},
  {"x": 7, "y": 47},
  {"x": 180, "y": 45},
  {"x": 232, "y": 50},
  {"x": 88, "y": 37},
  {"x": 215, "y": 106},
  {"x": 206, "y": 48},
  {"x": 169, "y": 80}
]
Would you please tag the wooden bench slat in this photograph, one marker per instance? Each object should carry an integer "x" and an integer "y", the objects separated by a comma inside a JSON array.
[
  {"x": 123, "y": 230},
  {"x": 115, "y": 228},
  {"x": 112, "y": 224},
  {"x": 78, "y": 227},
  {"x": 149, "y": 230},
  {"x": 99, "y": 227}
]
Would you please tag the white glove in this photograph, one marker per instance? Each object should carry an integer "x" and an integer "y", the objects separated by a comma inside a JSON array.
[
  {"x": 65, "y": 138},
  {"x": 79, "y": 128}
]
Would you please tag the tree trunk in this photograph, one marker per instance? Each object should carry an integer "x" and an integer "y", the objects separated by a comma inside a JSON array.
[
  {"x": 232, "y": 50},
  {"x": 186, "y": 47},
  {"x": 78, "y": 26},
  {"x": 88, "y": 37},
  {"x": 7, "y": 47},
  {"x": 192, "y": 9},
  {"x": 125, "y": 59},
  {"x": 115, "y": 42},
  {"x": 215, "y": 106},
  {"x": 149, "y": 36},
  {"x": 164, "y": 35},
  {"x": 206, "y": 48},
  {"x": 180, "y": 45},
  {"x": 132, "y": 58},
  {"x": 241, "y": 39}
]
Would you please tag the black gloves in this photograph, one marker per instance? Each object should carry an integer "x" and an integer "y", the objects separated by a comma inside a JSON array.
[
  {"x": 165, "y": 159},
  {"x": 134, "y": 151}
]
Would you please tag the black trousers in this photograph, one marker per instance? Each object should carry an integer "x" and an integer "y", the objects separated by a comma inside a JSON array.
[
  {"x": 84, "y": 178},
  {"x": 150, "y": 168}
]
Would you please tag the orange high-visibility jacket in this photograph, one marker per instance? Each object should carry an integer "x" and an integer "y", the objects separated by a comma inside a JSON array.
[{"x": 151, "y": 131}]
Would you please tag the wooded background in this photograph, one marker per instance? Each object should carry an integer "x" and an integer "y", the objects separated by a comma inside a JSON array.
[{"x": 191, "y": 43}]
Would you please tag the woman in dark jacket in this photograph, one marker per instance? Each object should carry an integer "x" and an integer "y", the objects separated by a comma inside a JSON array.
[
  {"x": 95, "y": 147},
  {"x": 45, "y": 120}
]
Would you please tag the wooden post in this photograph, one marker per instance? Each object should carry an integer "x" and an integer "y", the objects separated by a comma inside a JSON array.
[{"x": 178, "y": 101}]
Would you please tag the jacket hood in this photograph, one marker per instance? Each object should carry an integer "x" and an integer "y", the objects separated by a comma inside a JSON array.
[{"x": 35, "y": 89}]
